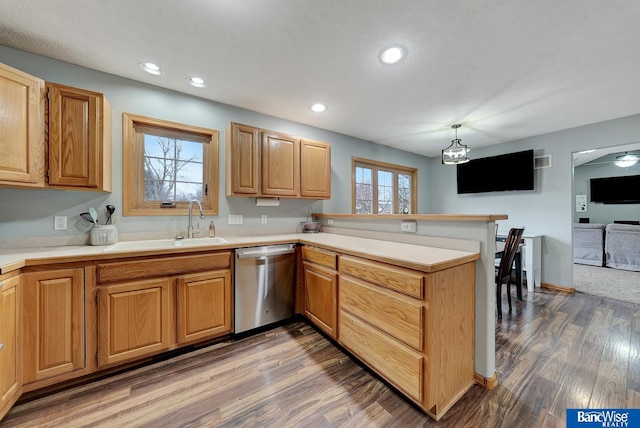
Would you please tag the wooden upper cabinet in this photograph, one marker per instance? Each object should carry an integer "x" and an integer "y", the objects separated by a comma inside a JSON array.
[
  {"x": 22, "y": 144},
  {"x": 315, "y": 170},
  {"x": 260, "y": 162},
  {"x": 280, "y": 164},
  {"x": 243, "y": 160},
  {"x": 54, "y": 323},
  {"x": 79, "y": 138}
]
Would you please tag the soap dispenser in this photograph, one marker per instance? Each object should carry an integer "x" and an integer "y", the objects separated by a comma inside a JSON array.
[{"x": 212, "y": 230}]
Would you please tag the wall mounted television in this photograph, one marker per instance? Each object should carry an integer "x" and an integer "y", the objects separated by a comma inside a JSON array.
[
  {"x": 511, "y": 171},
  {"x": 616, "y": 190}
]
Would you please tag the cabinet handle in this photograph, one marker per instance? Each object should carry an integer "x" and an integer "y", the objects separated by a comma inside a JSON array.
[{"x": 1, "y": 346}]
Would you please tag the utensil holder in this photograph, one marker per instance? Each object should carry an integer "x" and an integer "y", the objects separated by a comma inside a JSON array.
[{"x": 104, "y": 234}]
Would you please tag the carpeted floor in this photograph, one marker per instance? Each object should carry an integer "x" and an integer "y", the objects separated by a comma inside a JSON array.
[{"x": 607, "y": 282}]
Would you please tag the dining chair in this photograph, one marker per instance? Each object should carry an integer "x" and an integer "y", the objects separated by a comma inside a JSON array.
[{"x": 503, "y": 272}]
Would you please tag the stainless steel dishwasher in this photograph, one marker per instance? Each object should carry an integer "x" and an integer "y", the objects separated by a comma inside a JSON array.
[{"x": 264, "y": 285}]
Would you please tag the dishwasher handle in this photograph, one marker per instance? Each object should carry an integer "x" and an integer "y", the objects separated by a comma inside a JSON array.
[{"x": 262, "y": 253}]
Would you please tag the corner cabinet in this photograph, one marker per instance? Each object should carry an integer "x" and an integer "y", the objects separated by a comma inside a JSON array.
[
  {"x": 53, "y": 323},
  {"x": 22, "y": 143},
  {"x": 272, "y": 164},
  {"x": 10, "y": 343},
  {"x": 79, "y": 139}
]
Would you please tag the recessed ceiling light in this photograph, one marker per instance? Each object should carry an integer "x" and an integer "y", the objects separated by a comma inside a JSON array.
[
  {"x": 151, "y": 68},
  {"x": 392, "y": 54},
  {"x": 197, "y": 82},
  {"x": 318, "y": 107}
]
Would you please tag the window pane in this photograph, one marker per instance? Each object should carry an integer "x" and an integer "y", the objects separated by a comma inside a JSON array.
[
  {"x": 189, "y": 151},
  {"x": 173, "y": 169},
  {"x": 385, "y": 192},
  {"x": 159, "y": 147},
  {"x": 364, "y": 191},
  {"x": 404, "y": 194},
  {"x": 188, "y": 191}
]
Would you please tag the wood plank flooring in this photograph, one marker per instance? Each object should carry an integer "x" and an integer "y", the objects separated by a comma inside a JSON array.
[{"x": 555, "y": 351}]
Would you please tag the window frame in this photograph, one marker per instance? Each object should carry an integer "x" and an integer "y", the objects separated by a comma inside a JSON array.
[
  {"x": 133, "y": 165},
  {"x": 375, "y": 166}
]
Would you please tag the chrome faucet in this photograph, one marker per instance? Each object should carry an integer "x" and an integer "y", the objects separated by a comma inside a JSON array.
[{"x": 190, "y": 227}]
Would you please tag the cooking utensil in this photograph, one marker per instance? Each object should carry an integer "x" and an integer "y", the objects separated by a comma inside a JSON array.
[
  {"x": 94, "y": 215},
  {"x": 110, "y": 210},
  {"x": 87, "y": 217}
]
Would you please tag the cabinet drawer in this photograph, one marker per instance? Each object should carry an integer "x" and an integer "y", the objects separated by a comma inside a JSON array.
[
  {"x": 403, "y": 280},
  {"x": 145, "y": 268},
  {"x": 321, "y": 257},
  {"x": 396, "y": 362},
  {"x": 400, "y": 316}
]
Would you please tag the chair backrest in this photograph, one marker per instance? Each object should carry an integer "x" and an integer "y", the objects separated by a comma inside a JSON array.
[{"x": 510, "y": 249}]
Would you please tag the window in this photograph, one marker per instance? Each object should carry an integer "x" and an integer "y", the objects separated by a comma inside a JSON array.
[
  {"x": 383, "y": 188},
  {"x": 166, "y": 165}
]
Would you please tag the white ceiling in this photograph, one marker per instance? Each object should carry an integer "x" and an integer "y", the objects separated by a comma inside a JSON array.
[{"x": 504, "y": 69}]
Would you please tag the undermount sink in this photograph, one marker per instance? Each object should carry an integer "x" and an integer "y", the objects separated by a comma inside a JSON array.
[{"x": 165, "y": 243}]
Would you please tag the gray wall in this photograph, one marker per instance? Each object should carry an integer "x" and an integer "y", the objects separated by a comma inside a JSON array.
[
  {"x": 597, "y": 212},
  {"x": 29, "y": 213},
  {"x": 547, "y": 210}
]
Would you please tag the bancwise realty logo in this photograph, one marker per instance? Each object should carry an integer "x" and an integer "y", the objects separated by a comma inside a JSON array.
[{"x": 620, "y": 418}]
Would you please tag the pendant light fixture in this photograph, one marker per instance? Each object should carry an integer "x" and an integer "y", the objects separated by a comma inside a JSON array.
[{"x": 456, "y": 153}]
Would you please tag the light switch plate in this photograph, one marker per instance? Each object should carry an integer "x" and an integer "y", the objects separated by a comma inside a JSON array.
[
  {"x": 264, "y": 219},
  {"x": 234, "y": 219}
]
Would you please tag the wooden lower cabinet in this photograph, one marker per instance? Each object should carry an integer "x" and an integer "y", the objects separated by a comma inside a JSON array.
[
  {"x": 204, "y": 306},
  {"x": 321, "y": 293},
  {"x": 399, "y": 364},
  {"x": 10, "y": 345},
  {"x": 53, "y": 323},
  {"x": 134, "y": 320},
  {"x": 415, "y": 329}
]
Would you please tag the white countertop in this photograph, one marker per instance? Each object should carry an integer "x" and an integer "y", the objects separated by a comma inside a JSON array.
[{"x": 414, "y": 256}]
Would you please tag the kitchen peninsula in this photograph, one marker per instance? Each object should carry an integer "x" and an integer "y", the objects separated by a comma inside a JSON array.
[{"x": 412, "y": 359}]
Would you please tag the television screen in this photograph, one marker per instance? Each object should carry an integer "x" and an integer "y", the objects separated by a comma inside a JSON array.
[
  {"x": 616, "y": 190},
  {"x": 511, "y": 171}
]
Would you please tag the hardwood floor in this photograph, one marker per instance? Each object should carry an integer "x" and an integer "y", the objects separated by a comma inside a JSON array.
[{"x": 555, "y": 351}]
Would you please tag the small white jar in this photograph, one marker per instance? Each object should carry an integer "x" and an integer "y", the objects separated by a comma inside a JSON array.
[{"x": 104, "y": 234}]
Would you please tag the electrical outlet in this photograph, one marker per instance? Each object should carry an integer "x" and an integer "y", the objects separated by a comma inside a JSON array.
[
  {"x": 330, "y": 222},
  {"x": 60, "y": 222},
  {"x": 234, "y": 219},
  {"x": 408, "y": 226},
  {"x": 264, "y": 219}
]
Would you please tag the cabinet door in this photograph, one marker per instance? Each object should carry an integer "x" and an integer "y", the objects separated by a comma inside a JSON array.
[
  {"x": 133, "y": 320},
  {"x": 321, "y": 287},
  {"x": 280, "y": 164},
  {"x": 204, "y": 306},
  {"x": 76, "y": 131},
  {"x": 21, "y": 128},
  {"x": 10, "y": 347},
  {"x": 243, "y": 160},
  {"x": 54, "y": 323},
  {"x": 315, "y": 170}
]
